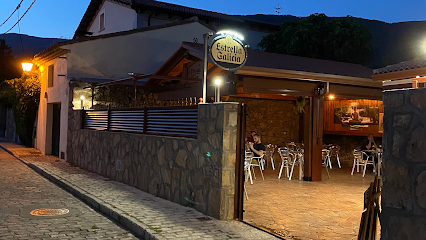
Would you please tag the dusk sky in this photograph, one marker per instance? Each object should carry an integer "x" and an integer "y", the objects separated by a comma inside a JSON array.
[{"x": 60, "y": 18}]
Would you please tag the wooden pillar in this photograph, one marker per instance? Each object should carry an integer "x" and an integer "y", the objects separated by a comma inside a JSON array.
[
  {"x": 313, "y": 134},
  {"x": 317, "y": 135},
  {"x": 307, "y": 140}
]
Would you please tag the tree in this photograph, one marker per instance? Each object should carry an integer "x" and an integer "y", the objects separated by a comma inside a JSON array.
[
  {"x": 339, "y": 39},
  {"x": 8, "y": 69},
  {"x": 23, "y": 96}
]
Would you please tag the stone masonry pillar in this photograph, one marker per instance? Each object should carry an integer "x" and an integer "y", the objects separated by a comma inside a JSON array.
[
  {"x": 404, "y": 165},
  {"x": 217, "y": 134}
]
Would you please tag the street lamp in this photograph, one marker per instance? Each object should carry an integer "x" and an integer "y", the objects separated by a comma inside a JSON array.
[
  {"x": 217, "y": 83},
  {"x": 27, "y": 66},
  {"x": 81, "y": 102}
]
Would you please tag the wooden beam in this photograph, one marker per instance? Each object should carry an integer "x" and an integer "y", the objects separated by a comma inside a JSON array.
[
  {"x": 307, "y": 76},
  {"x": 356, "y": 92},
  {"x": 266, "y": 96},
  {"x": 278, "y": 86},
  {"x": 412, "y": 73},
  {"x": 171, "y": 78},
  {"x": 353, "y": 133}
]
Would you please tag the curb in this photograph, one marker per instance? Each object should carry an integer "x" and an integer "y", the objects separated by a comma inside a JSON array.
[{"x": 139, "y": 229}]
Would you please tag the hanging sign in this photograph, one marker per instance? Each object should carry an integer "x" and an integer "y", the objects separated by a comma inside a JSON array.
[{"x": 227, "y": 51}]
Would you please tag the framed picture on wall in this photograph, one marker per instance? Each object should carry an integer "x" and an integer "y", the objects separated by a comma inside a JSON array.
[{"x": 381, "y": 122}]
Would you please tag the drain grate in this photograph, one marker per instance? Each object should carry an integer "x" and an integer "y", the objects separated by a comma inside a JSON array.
[{"x": 48, "y": 212}]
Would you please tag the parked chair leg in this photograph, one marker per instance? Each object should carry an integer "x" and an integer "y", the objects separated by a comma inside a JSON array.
[
  {"x": 246, "y": 191},
  {"x": 353, "y": 167},
  {"x": 338, "y": 160},
  {"x": 291, "y": 172},
  {"x": 249, "y": 173},
  {"x": 272, "y": 163},
  {"x": 281, "y": 170},
  {"x": 329, "y": 162},
  {"x": 254, "y": 174},
  {"x": 365, "y": 168}
]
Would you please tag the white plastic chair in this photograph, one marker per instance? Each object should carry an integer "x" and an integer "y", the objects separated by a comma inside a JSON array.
[
  {"x": 257, "y": 162},
  {"x": 359, "y": 161},
  {"x": 297, "y": 159},
  {"x": 334, "y": 150},
  {"x": 285, "y": 161},
  {"x": 269, "y": 154},
  {"x": 326, "y": 161},
  {"x": 247, "y": 166}
]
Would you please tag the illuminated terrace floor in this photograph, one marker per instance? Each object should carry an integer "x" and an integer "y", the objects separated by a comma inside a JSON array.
[{"x": 330, "y": 209}]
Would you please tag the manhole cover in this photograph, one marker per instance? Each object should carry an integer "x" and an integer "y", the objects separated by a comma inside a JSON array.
[{"x": 49, "y": 212}]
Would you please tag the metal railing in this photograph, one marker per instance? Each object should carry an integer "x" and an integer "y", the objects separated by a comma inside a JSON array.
[{"x": 179, "y": 121}]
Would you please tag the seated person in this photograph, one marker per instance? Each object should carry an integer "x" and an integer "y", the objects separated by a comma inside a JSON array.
[
  {"x": 257, "y": 147},
  {"x": 369, "y": 145},
  {"x": 250, "y": 138}
]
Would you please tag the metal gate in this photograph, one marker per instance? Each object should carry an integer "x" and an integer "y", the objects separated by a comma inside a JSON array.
[{"x": 239, "y": 164}]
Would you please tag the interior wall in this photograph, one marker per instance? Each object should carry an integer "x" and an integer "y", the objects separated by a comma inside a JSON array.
[
  {"x": 277, "y": 121},
  {"x": 331, "y": 128}
]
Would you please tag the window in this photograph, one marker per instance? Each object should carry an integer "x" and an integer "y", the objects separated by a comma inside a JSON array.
[
  {"x": 421, "y": 85},
  {"x": 102, "y": 22},
  {"x": 50, "y": 76}
]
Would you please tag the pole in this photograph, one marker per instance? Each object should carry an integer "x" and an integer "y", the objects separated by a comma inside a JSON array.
[
  {"x": 93, "y": 94},
  {"x": 135, "y": 90},
  {"x": 206, "y": 39},
  {"x": 218, "y": 93}
]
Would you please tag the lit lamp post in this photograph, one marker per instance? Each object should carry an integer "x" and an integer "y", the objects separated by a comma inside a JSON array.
[
  {"x": 217, "y": 82},
  {"x": 27, "y": 66},
  {"x": 81, "y": 102}
]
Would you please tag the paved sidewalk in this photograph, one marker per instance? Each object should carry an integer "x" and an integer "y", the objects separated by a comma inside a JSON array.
[
  {"x": 22, "y": 190},
  {"x": 148, "y": 216}
]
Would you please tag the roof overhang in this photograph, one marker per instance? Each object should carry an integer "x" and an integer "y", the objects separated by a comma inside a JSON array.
[
  {"x": 309, "y": 76},
  {"x": 412, "y": 73},
  {"x": 292, "y": 87},
  {"x": 49, "y": 55}
]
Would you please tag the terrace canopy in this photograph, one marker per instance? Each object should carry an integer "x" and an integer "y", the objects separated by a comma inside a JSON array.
[{"x": 271, "y": 76}]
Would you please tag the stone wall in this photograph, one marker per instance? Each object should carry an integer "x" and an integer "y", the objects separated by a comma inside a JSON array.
[
  {"x": 277, "y": 121},
  {"x": 198, "y": 173},
  {"x": 404, "y": 165}
]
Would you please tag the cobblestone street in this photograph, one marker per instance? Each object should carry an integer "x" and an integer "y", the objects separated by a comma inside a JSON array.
[
  {"x": 23, "y": 190},
  {"x": 159, "y": 218}
]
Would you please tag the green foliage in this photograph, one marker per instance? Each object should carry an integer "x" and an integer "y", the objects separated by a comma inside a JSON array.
[
  {"x": 8, "y": 69},
  {"x": 341, "y": 39},
  {"x": 300, "y": 104},
  {"x": 23, "y": 96}
]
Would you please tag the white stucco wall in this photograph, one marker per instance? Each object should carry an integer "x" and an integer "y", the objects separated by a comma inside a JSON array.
[
  {"x": 58, "y": 93},
  {"x": 144, "y": 20},
  {"x": 142, "y": 52},
  {"x": 117, "y": 18}
]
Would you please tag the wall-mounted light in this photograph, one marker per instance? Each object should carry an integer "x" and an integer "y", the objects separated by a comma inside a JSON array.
[
  {"x": 231, "y": 33},
  {"x": 417, "y": 76},
  {"x": 331, "y": 97},
  {"x": 82, "y": 101},
  {"x": 27, "y": 66}
]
